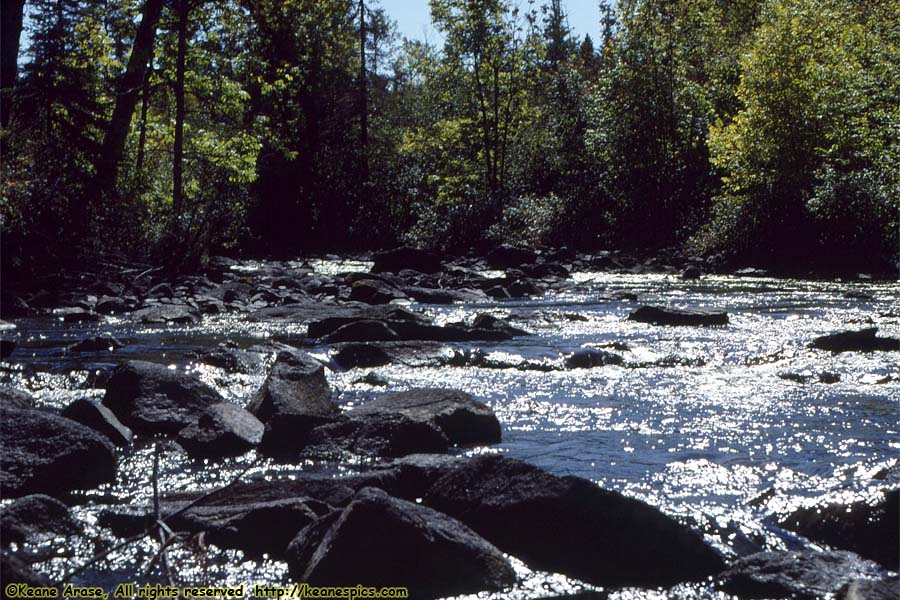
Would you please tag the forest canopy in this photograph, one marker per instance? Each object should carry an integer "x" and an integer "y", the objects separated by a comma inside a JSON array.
[{"x": 761, "y": 132}]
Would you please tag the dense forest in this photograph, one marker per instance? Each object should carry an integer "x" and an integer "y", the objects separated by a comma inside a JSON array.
[{"x": 761, "y": 132}]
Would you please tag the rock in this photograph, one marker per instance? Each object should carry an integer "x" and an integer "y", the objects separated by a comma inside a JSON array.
[
  {"x": 151, "y": 398},
  {"x": 12, "y": 398},
  {"x": 443, "y": 296},
  {"x": 361, "y": 331},
  {"x": 588, "y": 358},
  {"x": 803, "y": 575},
  {"x": 111, "y": 304},
  {"x": 692, "y": 272},
  {"x": 385, "y": 313},
  {"x": 15, "y": 570},
  {"x": 751, "y": 272},
  {"x": 398, "y": 259},
  {"x": 464, "y": 420},
  {"x": 889, "y": 473},
  {"x": 570, "y": 525},
  {"x": 230, "y": 358},
  {"x": 225, "y": 429},
  {"x": 91, "y": 413},
  {"x": 545, "y": 270},
  {"x": 352, "y": 356},
  {"x": 372, "y": 378},
  {"x": 868, "y": 589},
  {"x": 386, "y": 541},
  {"x": 256, "y": 526},
  {"x": 865, "y": 340},
  {"x": 372, "y": 291},
  {"x": 98, "y": 343},
  {"x": 508, "y": 257},
  {"x": 674, "y": 316},
  {"x": 35, "y": 517},
  {"x": 375, "y": 436},
  {"x": 486, "y": 322},
  {"x": 167, "y": 313},
  {"x": 871, "y": 529},
  {"x": 294, "y": 399},
  {"x": 46, "y": 453}
]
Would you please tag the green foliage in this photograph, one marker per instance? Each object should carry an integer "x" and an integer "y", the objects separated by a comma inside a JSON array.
[{"x": 808, "y": 155}]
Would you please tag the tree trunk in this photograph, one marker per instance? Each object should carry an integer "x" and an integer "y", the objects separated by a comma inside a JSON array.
[
  {"x": 145, "y": 107},
  {"x": 178, "y": 153},
  {"x": 10, "y": 32},
  {"x": 127, "y": 94},
  {"x": 363, "y": 95}
]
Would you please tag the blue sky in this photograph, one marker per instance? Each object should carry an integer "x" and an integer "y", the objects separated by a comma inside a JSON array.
[{"x": 414, "y": 20}]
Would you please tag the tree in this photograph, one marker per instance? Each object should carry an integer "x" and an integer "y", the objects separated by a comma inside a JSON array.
[{"x": 10, "y": 32}]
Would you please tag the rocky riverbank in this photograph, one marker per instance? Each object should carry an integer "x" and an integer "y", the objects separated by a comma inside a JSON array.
[{"x": 426, "y": 504}]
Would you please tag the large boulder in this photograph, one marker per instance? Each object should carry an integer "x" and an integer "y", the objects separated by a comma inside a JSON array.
[
  {"x": 294, "y": 399},
  {"x": 865, "y": 340},
  {"x": 151, "y": 398},
  {"x": 388, "y": 542},
  {"x": 657, "y": 315},
  {"x": 35, "y": 517},
  {"x": 570, "y": 525},
  {"x": 464, "y": 420},
  {"x": 46, "y": 453},
  {"x": 225, "y": 429},
  {"x": 91, "y": 413},
  {"x": 871, "y": 589},
  {"x": 374, "y": 435},
  {"x": 801, "y": 575},
  {"x": 871, "y": 528},
  {"x": 398, "y": 259},
  {"x": 11, "y": 397},
  {"x": 14, "y": 569}
]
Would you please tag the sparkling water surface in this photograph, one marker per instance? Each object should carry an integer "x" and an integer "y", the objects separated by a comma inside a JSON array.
[{"x": 699, "y": 421}]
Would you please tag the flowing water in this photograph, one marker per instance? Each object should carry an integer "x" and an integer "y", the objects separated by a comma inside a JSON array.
[{"x": 699, "y": 421}]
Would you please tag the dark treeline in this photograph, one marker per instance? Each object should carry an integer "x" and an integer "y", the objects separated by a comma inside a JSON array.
[{"x": 757, "y": 131}]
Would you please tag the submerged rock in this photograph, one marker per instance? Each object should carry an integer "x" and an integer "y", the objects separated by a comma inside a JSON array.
[
  {"x": 865, "y": 340},
  {"x": 674, "y": 316},
  {"x": 46, "y": 453},
  {"x": 151, "y": 398},
  {"x": 91, "y": 413},
  {"x": 464, "y": 420},
  {"x": 570, "y": 525},
  {"x": 803, "y": 575},
  {"x": 869, "y": 528},
  {"x": 386, "y": 541}
]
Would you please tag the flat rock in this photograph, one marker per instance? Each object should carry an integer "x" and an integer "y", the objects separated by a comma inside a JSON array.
[
  {"x": 376, "y": 354},
  {"x": 294, "y": 399},
  {"x": 224, "y": 429},
  {"x": 656, "y": 315},
  {"x": 151, "y": 398},
  {"x": 46, "y": 453},
  {"x": 871, "y": 589},
  {"x": 803, "y": 575},
  {"x": 589, "y": 358},
  {"x": 361, "y": 331},
  {"x": 374, "y": 436},
  {"x": 230, "y": 358},
  {"x": 167, "y": 313},
  {"x": 464, "y": 420},
  {"x": 386, "y": 541},
  {"x": 91, "y": 413},
  {"x": 865, "y": 340},
  {"x": 570, "y": 525},
  {"x": 869, "y": 528}
]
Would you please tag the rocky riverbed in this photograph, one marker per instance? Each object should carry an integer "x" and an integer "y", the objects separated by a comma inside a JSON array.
[{"x": 517, "y": 425}]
